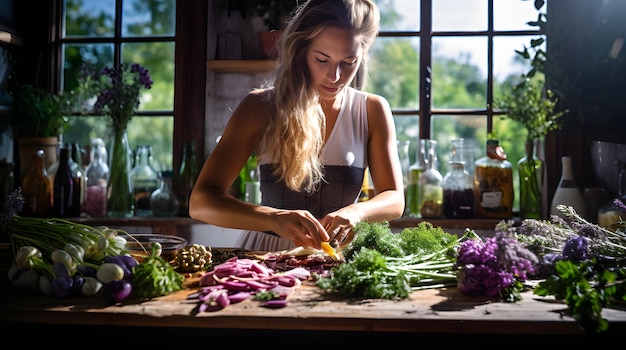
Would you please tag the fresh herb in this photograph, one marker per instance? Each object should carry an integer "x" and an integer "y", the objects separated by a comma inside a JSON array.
[
  {"x": 382, "y": 264},
  {"x": 265, "y": 295},
  {"x": 583, "y": 263},
  {"x": 155, "y": 277},
  {"x": 586, "y": 287}
]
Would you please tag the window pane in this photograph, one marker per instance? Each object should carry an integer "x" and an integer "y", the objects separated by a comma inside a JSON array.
[
  {"x": 95, "y": 18},
  {"x": 459, "y": 72},
  {"x": 160, "y": 138},
  {"x": 158, "y": 58},
  {"x": 83, "y": 129},
  {"x": 75, "y": 55},
  {"x": 460, "y": 15},
  {"x": 408, "y": 127},
  {"x": 507, "y": 63},
  {"x": 145, "y": 18},
  {"x": 514, "y": 14},
  {"x": 394, "y": 71},
  {"x": 399, "y": 15}
]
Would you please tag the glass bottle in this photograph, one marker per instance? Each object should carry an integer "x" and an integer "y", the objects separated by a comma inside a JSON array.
[
  {"x": 64, "y": 202},
  {"x": 430, "y": 189},
  {"x": 145, "y": 180},
  {"x": 37, "y": 188},
  {"x": 412, "y": 207},
  {"x": 78, "y": 173},
  {"x": 187, "y": 176},
  {"x": 252, "y": 189},
  {"x": 464, "y": 150},
  {"x": 97, "y": 173},
  {"x": 530, "y": 170},
  {"x": 120, "y": 189},
  {"x": 567, "y": 192},
  {"x": 493, "y": 184},
  {"x": 163, "y": 201},
  {"x": 458, "y": 192},
  {"x": 405, "y": 163},
  {"x": 610, "y": 213}
]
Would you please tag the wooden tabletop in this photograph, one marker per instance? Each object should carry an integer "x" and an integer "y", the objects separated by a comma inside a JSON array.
[{"x": 434, "y": 311}]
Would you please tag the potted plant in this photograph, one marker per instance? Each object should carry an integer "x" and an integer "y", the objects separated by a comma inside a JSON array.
[{"x": 39, "y": 118}]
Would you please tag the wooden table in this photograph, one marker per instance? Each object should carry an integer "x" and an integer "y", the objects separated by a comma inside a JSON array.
[{"x": 429, "y": 314}]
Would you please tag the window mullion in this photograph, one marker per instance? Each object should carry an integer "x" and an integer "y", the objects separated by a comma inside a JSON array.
[{"x": 425, "y": 93}]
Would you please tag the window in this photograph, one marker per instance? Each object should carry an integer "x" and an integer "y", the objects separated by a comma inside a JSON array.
[
  {"x": 440, "y": 63},
  {"x": 109, "y": 32}
]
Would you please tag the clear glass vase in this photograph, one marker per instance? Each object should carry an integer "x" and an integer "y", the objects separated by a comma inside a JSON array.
[
  {"x": 120, "y": 190},
  {"x": 530, "y": 168}
]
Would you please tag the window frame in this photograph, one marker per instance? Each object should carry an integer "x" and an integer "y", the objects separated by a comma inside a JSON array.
[
  {"x": 426, "y": 111},
  {"x": 189, "y": 76}
]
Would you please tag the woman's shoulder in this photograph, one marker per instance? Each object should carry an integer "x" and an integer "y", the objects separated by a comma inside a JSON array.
[
  {"x": 260, "y": 96},
  {"x": 375, "y": 101}
]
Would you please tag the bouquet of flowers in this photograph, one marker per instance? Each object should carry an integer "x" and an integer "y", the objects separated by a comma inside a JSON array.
[{"x": 120, "y": 92}]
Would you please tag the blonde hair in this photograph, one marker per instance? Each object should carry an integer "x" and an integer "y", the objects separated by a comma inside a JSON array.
[{"x": 295, "y": 132}]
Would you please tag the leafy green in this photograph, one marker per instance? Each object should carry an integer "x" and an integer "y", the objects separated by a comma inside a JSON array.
[
  {"x": 586, "y": 287},
  {"x": 382, "y": 264},
  {"x": 155, "y": 277},
  {"x": 367, "y": 276}
]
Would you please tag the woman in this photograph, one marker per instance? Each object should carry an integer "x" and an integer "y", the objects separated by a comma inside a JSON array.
[{"x": 314, "y": 136}]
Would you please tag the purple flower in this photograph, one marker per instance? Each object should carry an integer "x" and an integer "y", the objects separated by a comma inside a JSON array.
[
  {"x": 14, "y": 205},
  {"x": 118, "y": 94},
  {"x": 576, "y": 248},
  {"x": 487, "y": 267}
]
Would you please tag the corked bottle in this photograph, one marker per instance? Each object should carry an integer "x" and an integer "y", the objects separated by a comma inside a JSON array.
[{"x": 493, "y": 184}]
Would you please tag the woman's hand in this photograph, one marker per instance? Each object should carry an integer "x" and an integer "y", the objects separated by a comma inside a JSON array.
[
  {"x": 301, "y": 227},
  {"x": 339, "y": 225}
]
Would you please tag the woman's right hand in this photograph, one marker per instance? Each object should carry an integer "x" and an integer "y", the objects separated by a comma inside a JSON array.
[{"x": 301, "y": 227}]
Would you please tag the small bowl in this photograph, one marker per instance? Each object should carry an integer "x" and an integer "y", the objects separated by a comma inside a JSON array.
[{"x": 139, "y": 245}]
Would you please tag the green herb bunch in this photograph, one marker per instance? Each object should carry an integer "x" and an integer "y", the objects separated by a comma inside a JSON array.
[
  {"x": 528, "y": 104},
  {"x": 382, "y": 264}
]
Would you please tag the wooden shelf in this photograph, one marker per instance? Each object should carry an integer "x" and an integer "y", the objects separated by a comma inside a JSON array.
[{"x": 241, "y": 66}]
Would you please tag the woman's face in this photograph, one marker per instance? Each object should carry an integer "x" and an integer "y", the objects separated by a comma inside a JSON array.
[{"x": 333, "y": 59}]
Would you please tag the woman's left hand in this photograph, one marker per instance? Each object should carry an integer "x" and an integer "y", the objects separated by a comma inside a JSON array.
[{"x": 339, "y": 225}]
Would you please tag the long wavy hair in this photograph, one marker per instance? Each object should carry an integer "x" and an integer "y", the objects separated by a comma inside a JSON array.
[{"x": 295, "y": 133}]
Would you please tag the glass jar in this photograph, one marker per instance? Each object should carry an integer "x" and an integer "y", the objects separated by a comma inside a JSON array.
[
  {"x": 493, "y": 184},
  {"x": 430, "y": 189},
  {"x": 97, "y": 173},
  {"x": 458, "y": 192},
  {"x": 610, "y": 213},
  {"x": 163, "y": 201},
  {"x": 413, "y": 202},
  {"x": 145, "y": 180},
  {"x": 530, "y": 170},
  {"x": 464, "y": 150}
]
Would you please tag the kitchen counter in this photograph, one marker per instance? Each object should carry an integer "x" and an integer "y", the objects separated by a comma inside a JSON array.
[{"x": 434, "y": 314}]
